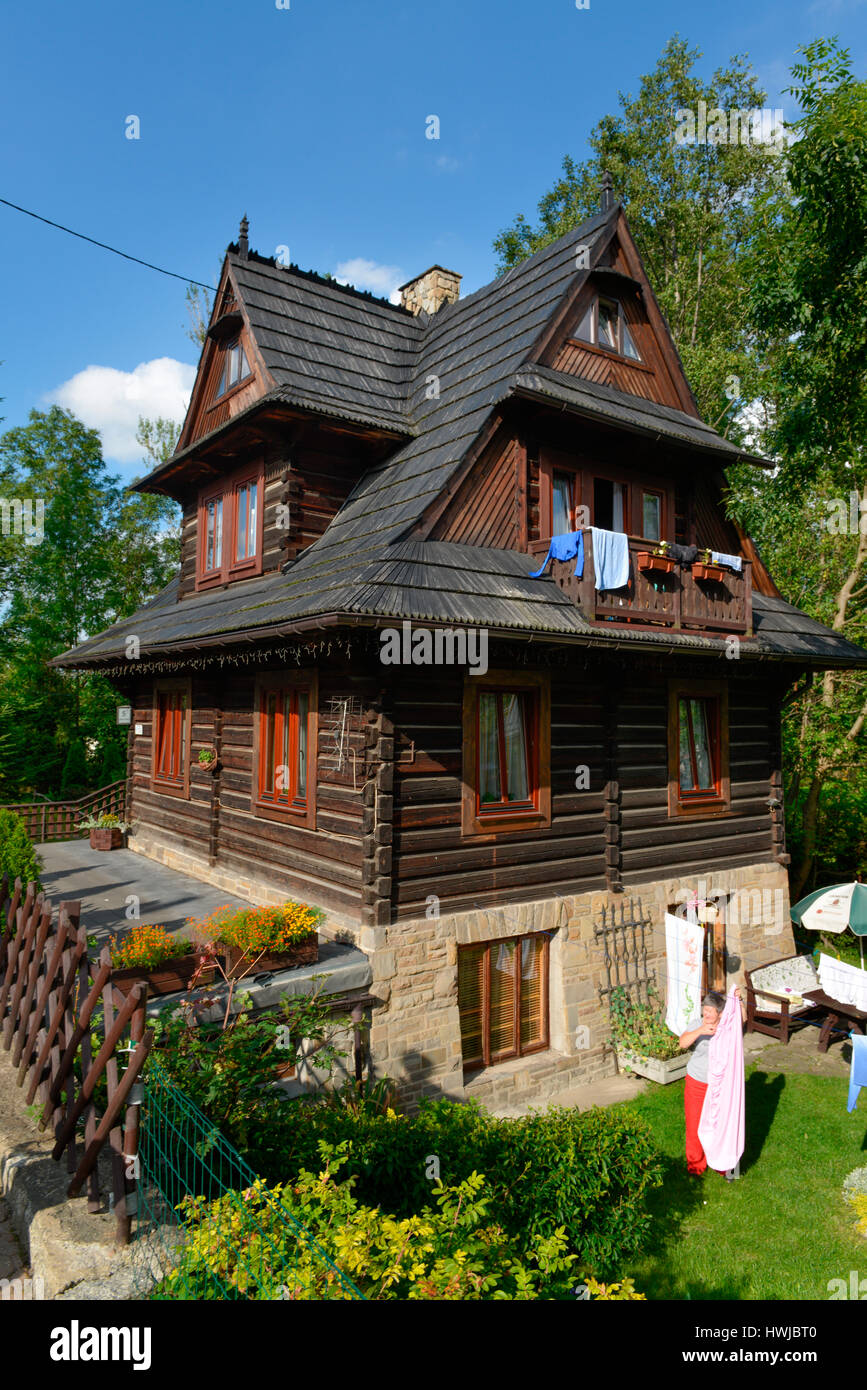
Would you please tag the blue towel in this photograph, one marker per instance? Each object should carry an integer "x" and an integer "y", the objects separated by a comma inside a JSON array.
[
  {"x": 610, "y": 558},
  {"x": 564, "y": 547},
  {"x": 858, "y": 1069},
  {"x": 733, "y": 562}
]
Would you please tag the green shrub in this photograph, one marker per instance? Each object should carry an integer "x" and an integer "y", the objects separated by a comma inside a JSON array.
[
  {"x": 18, "y": 858},
  {"x": 587, "y": 1171},
  {"x": 454, "y": 1249}
]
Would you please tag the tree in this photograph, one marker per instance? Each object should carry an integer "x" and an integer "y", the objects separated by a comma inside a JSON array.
[
  {"x": 691, "y": 209},
  {"x": 102, "y": 552},
  {"x": 808, "y": 310}
]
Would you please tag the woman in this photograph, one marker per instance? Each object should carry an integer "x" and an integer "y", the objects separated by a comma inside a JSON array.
[{"x": 698, "y": 1039}]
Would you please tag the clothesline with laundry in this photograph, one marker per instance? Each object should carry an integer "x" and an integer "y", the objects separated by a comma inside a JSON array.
[{"x": 611, "y": 556}]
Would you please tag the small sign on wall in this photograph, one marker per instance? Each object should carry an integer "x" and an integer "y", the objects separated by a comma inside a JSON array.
[
  {"x": 139, "y": 728},
  {"x": 124, "y": 714}
]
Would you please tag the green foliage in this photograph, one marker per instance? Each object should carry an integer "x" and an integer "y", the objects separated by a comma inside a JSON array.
[
  {"x": 808, "y": 275},
  {"x": 692, "y": 208},
  {"x": 453, "y": 1249},
  {"x": 74, "y": 779},
  {"x": 588, "y": 1172},
  {"x": 18, "y": 858},
  {"x": 103, "y": 552},
  {"x": 642, "y": 1027},
  {"x": 230, "y": 1071}
]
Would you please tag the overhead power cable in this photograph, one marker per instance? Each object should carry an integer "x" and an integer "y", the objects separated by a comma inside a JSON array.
[{"x": 105, "y": 247}]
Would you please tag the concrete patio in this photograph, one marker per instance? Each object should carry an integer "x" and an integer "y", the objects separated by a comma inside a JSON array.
[
  {"x": 111, "y": 884},
  {"x": 118, "y": 889}
]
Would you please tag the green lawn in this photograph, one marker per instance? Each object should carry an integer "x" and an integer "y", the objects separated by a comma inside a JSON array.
[{"x": 783, "y": 1230}]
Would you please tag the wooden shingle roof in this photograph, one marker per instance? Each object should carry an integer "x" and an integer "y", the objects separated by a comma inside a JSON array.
[{"x": 438, "y": 381}]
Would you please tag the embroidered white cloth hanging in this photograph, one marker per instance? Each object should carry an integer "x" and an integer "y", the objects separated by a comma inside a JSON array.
[
  {"x": 683, "y": 950},
  {"x": 844, "y": 982}
]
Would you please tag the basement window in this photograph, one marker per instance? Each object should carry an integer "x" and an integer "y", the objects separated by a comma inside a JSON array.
[{"x": 503, "y": 999}]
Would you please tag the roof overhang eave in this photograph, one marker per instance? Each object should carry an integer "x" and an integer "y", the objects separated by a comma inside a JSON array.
[{"x": 730, "y": 456}]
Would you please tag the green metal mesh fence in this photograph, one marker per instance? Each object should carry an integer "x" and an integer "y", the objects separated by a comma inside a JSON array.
[{"x": 206, "y": 1225}]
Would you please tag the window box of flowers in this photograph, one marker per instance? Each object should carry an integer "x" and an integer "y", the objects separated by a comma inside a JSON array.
[
  {"x": 658, "y": 560},
  {"x": 106, "y": 831},
  {"x": 642, "y": 1040},
  {"x": 704, "y": 569},
  {"x": 269, "y": 938},
  {"x": 167, "y": 963}
]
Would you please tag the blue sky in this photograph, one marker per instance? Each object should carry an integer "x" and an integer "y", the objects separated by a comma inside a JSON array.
[{"x": 312, "y": 120}]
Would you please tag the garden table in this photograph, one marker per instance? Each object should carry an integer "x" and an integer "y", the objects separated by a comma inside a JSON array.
[{"x": 835, "y": 1012}]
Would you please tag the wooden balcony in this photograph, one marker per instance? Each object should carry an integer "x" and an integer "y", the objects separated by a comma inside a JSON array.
[{"x": 676, "y": 601}]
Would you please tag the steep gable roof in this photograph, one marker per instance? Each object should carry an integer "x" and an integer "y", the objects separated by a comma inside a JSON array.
[{"x": 439, "y": 380}]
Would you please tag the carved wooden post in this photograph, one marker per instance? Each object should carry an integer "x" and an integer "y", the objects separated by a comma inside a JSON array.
[
  {"x": 612, "y": 810},
  {"x": 377, "y": 817}
]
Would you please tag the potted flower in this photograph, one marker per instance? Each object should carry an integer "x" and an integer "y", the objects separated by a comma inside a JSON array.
[
  {"x": 705, "y": 569},
  {"x": 643, "y": 1041},
  {"x": 167, "y": 963},
  {"x": 207, "y": 757},
  {"x": 106, "y": 830},
  {"x": 269, "y": 938},
  {"x": 658, "y": 560}
]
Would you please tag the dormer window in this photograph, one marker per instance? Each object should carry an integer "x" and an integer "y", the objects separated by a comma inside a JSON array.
[
  {"x": 604, "y": 325},
  {"x": 235, "y": 367}
]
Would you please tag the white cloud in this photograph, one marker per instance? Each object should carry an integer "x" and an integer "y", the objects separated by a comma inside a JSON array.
[
  {"x": 369, "y": 275},
  {"x": 111, "y": 401}
]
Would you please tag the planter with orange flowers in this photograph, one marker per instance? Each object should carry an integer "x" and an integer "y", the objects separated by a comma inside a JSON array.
[
  {"x": 167, "y": 963},
  {"x": 266, "y": 938}
]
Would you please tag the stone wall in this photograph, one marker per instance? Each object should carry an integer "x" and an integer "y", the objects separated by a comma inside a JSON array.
[{"x": 415, "y": 1034}]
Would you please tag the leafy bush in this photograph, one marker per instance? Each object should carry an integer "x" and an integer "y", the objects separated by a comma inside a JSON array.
[
  {"x": 455, "y": 1250},
  {"x": 642, "y": 1027},
  {"x": 587, "y": 1171},
  {"x": 18, "y": 858},
  {"x": 230, "y": 1070}
]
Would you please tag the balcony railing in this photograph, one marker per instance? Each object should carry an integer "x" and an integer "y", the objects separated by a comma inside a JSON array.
[{"x": 653, "y": 599}]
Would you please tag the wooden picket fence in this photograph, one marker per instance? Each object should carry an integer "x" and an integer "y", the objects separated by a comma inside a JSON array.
[
  {"x": 58, "y": 820},
  {"x": 51, "y": 994}
]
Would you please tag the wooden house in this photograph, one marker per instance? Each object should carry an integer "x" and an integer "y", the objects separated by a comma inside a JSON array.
[{"x": 495, "y": 784}]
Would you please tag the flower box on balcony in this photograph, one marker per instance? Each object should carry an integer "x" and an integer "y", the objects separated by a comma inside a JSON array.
[
  {"x": 661, "y": 564},
  {"x": 701, "y": 570}
]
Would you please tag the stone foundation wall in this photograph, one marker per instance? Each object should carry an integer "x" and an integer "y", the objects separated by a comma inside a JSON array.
[{"x": 415, "y": 1035}]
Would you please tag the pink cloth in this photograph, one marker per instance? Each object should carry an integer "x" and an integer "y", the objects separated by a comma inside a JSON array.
[{"x": 721, "y": 1128}]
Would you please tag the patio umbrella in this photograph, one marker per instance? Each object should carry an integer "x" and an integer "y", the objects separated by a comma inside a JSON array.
[{"x": 834, "y": 909}]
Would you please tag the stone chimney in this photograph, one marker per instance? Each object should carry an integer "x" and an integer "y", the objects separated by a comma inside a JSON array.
[{"x": 430, "y": 291}]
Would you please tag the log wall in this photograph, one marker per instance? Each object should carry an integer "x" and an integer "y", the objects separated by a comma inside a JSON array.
[{"x": 388, "y": 843}]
